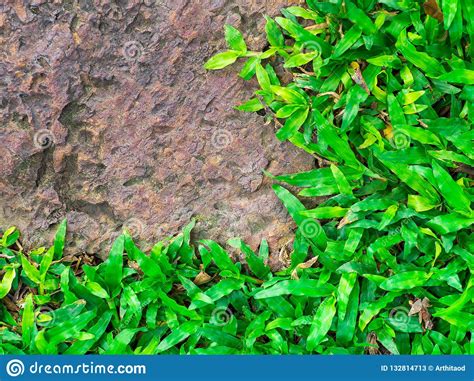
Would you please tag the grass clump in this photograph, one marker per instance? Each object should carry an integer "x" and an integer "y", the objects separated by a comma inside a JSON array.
[
  {"x": 179, "y": 299},
  {"x": 381, "y": 94}
]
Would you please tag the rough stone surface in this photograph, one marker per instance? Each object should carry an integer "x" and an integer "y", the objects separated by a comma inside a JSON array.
[{"x": 108, "y": 119}]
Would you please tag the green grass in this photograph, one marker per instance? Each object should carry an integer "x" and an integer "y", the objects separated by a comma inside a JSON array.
[
  {"x": 179, "y": 299},
  {"x": 382, "y": 95}
]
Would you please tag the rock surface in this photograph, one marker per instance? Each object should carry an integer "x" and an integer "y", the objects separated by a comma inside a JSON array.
[{"x": 109, "y": 119}]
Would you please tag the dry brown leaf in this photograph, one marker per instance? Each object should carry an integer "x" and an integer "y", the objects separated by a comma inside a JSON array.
[
  {"x": 372, "y": 339},
  {"x": 284, "y": 256},
  {"x": 319, "y": 26},
  {"x": 349, "y": 218},
  {"x": 420, "y": 307},
  {"x": 135, "y": 266},
  {"x": 202, "y": 278},
  {"x": 432, "y": 9},
  {"x": 304, "y": 265},
  {"x": 358, "y": 78},
  {"x": 12, "y": 307}
]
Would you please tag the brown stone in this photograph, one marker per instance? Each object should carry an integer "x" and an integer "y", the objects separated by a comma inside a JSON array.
[{"x": 109, "y": 119}]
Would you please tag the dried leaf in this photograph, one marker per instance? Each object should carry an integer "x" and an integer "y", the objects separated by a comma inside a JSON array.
[
  {"x": 432, "y": 9},
  {"x": 420, "y": 307},
  {"x": 305, "y": 265}
]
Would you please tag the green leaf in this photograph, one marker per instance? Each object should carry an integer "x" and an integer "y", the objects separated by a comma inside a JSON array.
[
  {"x": 302, "y": 12},
  {"x": 409, "y": 324},
  {"x": 300, "y": 34},
  {"x": 346, "y": 327},
  {"x": 274, "y": 34},
  {"x": 346, "y": 285},
  {"x": 405, "y": 281},
  {"x": 325, "y": 212},
  {"x": 289, "y": 95},
  {"x": 121, "y": 341},
  {"x": 300, "y": 59},
  {"x": 410, "y": 176},
  {"x": 349, "y": 39},
  {"x": 30, "y": 270},
  {"x": 97, "y": 330},
  {"x": 420, "y": 59},
  {"x": 10, "y": 236},
  {"x": 59, "y": 240},
  {"x": 256, "y": 264},
  {"x": 112, "y": 268},
  {"x": 302, "y": 287},
  {"x": 69, "y": 329},
  {"x": 416, "y": 133},
  {"x": 449, "y": 223},
  {"x": 412, "y": 97},
  {"x": 397, "y": 116},
  {"x": 355, "y": 97},
  {"x": 451, "y": 191},
  {"x": 216, "y": 335},
  {"x": 7, "y": 280},
  {"x": 463, "y": 76},
  {"x": 263, "y": 78},
  {"x": 321, "y": 323},
  {"x": 149, "y": 266},
  {"x": 46, "y": 263},
  {"x": 221, "y": 60},
  {"x": 292, "y": 124},
  {"x": 224, "y": 288},
  {"x": 248, "y": 69},
  {"x": 358, "y": 17},
  {"x": 28, "y": 321},
  {"x": 340, "y": 146},
  {"x": 391, "y": 61},
  {"x": 287, "y": 110},
  {"x": 312, "y": 229},
  {"x": 341, "y": 180},
  {"x": 372, "y": 309},
  {"x": 221, "y": 258},
  {"x": 251, "y": 105},
  {"x": 177, "y": 335},
  {"x": 97, "y": 290},
  {"x": 449, "y": 8},
  {"x": 234, "y": 39}
]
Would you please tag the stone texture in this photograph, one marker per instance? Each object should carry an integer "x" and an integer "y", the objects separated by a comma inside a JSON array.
[{"x": 108, "y": 119}]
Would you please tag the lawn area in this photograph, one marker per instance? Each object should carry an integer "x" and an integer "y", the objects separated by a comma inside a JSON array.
[{"x": 381, "y": 94}]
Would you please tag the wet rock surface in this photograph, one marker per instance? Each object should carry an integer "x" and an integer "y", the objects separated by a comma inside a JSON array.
[{"x": 108, "y": 119}]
